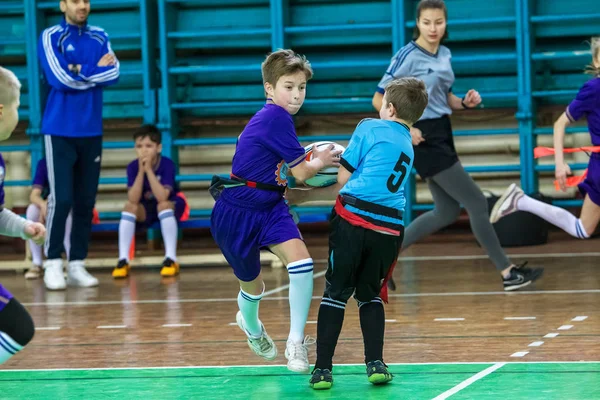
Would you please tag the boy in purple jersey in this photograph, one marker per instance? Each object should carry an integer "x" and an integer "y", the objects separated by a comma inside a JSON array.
[
  {"x": 37, "y": 211},
  {"x": 152, "y": 196},
  {"x": 586, "y": 103},
  {"x": 16, "y": 325},
  {"x": 251, "y": 214}
]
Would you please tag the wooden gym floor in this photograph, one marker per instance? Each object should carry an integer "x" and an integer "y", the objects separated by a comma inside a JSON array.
[{"x": 451, "y": 332}]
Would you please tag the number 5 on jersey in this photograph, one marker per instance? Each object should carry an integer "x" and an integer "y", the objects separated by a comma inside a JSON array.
[{"x": 394, "y": 182}]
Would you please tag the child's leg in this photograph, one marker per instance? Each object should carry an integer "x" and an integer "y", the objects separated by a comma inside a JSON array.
[
  {"x": 242, "y": 252},
  {"x": 67, "y": 240},
  {"x": 382, "y": 252},
  {"x": 16, "y": 326},
  {"x": 345, "y": 256},
  {"x": 33, "y": 214},
  {"x": 294, "y": 254},
  {"x": 132, "y": 212},
  {"x": 580, "y": 228},
  {"x": 168, "y": 227},
  {"x": 513, "y": 199}
]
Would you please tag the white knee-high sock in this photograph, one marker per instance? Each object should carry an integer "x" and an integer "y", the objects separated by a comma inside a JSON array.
[
  {"x": 555, "y": 215},
  {"x": 33, "y": 214},
  {"x": 301, "y": 291},
  {"x": 248, "y": 304},
  {"x": 168, "y": 227},
  {"x": 8, "y": 347},
  {"x": 126, "y": 232}
]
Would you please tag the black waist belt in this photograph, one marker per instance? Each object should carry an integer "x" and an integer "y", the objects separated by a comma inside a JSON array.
[
  {"x": 371, "y": 207},
  {"x": 218, "y": 184}
]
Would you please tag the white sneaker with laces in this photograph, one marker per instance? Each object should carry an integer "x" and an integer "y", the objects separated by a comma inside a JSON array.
[
  {"x": 507, "y": 203},
  {"x": 54, "y": 278},
  {"x": 77, "y": 275},
  {"x": 297, "y": 355},
  {"x": 263, "y": 346}
]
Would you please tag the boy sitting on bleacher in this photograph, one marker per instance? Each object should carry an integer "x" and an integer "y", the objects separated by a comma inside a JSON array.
[{"x": 152, "y": 196}]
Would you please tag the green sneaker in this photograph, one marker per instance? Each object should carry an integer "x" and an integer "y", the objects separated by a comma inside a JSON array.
[
  {"x": 321, "y": 379},
  {"x": 378, "y": 373}
]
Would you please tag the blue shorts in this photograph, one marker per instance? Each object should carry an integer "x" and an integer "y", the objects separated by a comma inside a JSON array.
[
  {"x": 591, "y": 183},
  {"x": 152, "y": 211},
  {"x": 5, "y": 297},
  {"x": 241, "y": 232}
]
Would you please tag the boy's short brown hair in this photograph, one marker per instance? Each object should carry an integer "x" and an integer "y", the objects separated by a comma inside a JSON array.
[
  {"x": 10, "y": 87},
  {"x": 409, "y": 98},
  {"x": 149, "y": 131},
  {"x": 284, "y": 62}
]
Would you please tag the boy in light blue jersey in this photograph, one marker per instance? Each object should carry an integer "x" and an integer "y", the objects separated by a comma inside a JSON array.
[{"x": 366, "y": 226}]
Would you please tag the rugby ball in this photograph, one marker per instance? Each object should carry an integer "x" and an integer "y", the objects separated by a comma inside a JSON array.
[{"x": 326, "y": 176}]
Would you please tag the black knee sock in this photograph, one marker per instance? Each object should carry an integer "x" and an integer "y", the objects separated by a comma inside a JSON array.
[
  {"x": 16, "y": 322},
  {"x": 329, "y": 326},
  {"x": 372, "y": 324}
]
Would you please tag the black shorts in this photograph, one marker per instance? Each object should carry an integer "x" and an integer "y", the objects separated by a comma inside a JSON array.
[
  {"x": 359, "y": 260},
  {"x": 437, "y": 153}
]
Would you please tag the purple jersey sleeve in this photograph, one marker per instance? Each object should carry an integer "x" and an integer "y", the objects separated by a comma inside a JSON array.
[
  {"x": 282, "y": 140},
  {"x": 167, "y": 177},
  {"x": 585, "y": 101},
  {"x": 132, "y": 171},
  {"x": 40, "y": 180},
  {"x": 2, "y": 177}
]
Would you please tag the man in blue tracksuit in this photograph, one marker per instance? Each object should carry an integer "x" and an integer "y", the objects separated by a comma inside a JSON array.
[{"x": 78, "y": 63}]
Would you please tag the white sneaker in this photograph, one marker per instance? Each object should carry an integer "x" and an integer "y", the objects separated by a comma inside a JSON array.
[
  {"x": 507, "y": 203},
  {"x": 54, "y": 277},
  {"x": 297, "y": 355},
  {"x": 78, "y": 276},
  {"x": 264, "y": 346}
]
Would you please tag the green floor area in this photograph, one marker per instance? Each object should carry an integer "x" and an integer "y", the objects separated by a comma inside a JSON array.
[{"x": 413, "y": 381}]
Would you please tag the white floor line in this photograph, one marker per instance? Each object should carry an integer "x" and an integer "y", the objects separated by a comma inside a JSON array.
[
  {"x": 390, "y": 320},
  {"x": 579, "y": 319},
  {"x": 448, "y": 319},
  {"x": 469, "y": 381},
  {"x": 231, "y": 299},
  {"x": 311, "y": 322},
  {"x": 284, "y": 287},
  {"x": 518, "y": 318},
  {"x": 111, "y": 327},
  {"x": 551, "y": 335},
  {"x": 565, "y": 327},
  {"x": 519, "y": 354},
  {"x": 47, "y": 328},
  {"x": 284, "y": 365},
  {"x": 536, "y": 344},
  {"x": 176, "y": 325}
]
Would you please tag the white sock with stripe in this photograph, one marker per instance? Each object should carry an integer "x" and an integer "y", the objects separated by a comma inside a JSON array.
[
  {"x": 555, "y": 215},
  {"x": 248, "y": 304},
  {"x": 8, "y": 347},
  {"x": 126, "y": 233},
  {"x": 168, "y": 228},
  {"x": 301, "y": 291}
]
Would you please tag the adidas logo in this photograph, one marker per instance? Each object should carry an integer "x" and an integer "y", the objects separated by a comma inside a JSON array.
[
  {"x": 430, "y": 71},
  {"x": 70, "y": 47}
]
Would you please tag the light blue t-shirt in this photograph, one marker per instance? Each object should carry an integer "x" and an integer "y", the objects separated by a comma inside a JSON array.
[
  {"x": 380, "y": 156},
  {"x": 433, "y": 69}
]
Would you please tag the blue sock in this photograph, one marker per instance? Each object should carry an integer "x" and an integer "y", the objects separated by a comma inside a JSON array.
[{"x": 8, "y": 347}]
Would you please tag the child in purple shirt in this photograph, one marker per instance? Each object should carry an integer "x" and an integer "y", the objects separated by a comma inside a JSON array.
[
  {"x": 153, "y": 195},
  {"x": 585, "y": 104},
  {"x": 251, "y": 214}
]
